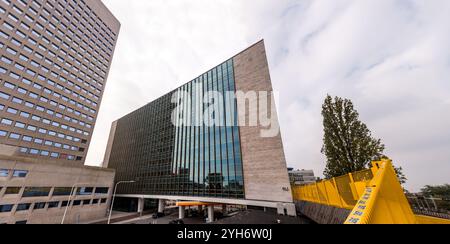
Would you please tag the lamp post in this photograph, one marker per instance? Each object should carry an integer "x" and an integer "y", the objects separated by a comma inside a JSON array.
[
  {"x": 70, "y": 199},
  {"x": 114, "y": 196}
]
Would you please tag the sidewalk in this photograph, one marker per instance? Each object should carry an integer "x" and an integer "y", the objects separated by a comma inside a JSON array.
[{"x": 116, "y": 217}]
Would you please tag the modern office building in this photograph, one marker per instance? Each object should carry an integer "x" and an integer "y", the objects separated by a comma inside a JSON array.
[
  {"x": 36, "y": 191},
  {"x": 301, "y": 177},
  {"x": 55, "y": 57},
  {"x": 225, "y": 162}
]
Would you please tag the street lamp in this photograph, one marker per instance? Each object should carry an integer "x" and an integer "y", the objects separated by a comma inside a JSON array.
[
  {"x": 114, "y": 196},
  {"x": 70, "y": 198}
]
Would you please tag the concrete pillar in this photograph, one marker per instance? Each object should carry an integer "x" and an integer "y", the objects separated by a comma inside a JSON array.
[
  {"x": 210, "y": 214},
  {"x": 161, "y": 205},
  {"x": 182, "y": 212},
  {"x": 224, "y": 209},
  {"x": 140, "y": 208}
]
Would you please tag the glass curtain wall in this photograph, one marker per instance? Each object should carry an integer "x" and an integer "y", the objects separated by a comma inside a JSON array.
[{"x": 194, "y": 159}]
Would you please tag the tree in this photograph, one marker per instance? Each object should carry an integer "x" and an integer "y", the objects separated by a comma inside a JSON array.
[
  {"x": 347, "y": 144},
  {"x": 400, "y": 175},
  {"x": 442, "y": 191}
]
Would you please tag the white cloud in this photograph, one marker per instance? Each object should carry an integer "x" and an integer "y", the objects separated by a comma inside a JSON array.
[{"x": 391, "y": 57}]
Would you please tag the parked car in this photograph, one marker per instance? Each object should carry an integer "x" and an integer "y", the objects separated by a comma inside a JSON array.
[
  {"x": 193, "y": 213},
  {"x": 176, "y": 222},
  {"x": 158, "y": 215}
]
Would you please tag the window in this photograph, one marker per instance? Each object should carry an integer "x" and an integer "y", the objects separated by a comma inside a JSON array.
[
  {"x": 17, "y": 100},
  {"x": 37, "y": 86},
  {"x": 33, "y": 95},
  {"x": 36, "y": 118},
  {"x": 31, "y": 72},
  {"x": 53, "y": 204},
  {"x": 7, "y": 122},
  {"x": 25, "y": 114},
  {"x": 26, "y": 81},
  {"x": 31, "y": 128},
  {"x": 14, "y": 136},
  {"x": 62, "y": 191},
  {"x": 14, "y": 76},
  {"x": 3, "y": 133},
  {"x": 39, "y": 205},
  {"x": 11, "y": 51},
  {"x": 4, "y": 172},
  {"x": 9, "y": 85},
  {"x": 4, "y": 96},
  {"x": 4, "y": 35},
  {"x": 20, "y": 173},
  {"x": 36, "y": 191},
  {"x": 21, "y": 90},
  {"x": 12, "y": 111},
  {"x": 85, "y": 191},
  {"x": 30, "y": 105},
  {"x": 86, "y": 202},
  {"x": 23, "y": 207},
  {"x": 8, "y": 26},
  {"x": 12, "y": 190},
  {"x": 76, "y": 203},
  {"x": 27, "y": 138},
  {"x": 23, "y": 58},
  {"x": 6, "y": 208},
  {"x": 6, "y": 60},
  {"x": 20, "y": 125},
  {"x": 101, "y": 190},
  {"x": 103, "y": 200}
]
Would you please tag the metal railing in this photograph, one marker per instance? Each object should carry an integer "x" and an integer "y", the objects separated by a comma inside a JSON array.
[
  {"x": 375, "y": 196},
  {"x": 340, "y": 192},
  {"x": 429, "y": 206}
]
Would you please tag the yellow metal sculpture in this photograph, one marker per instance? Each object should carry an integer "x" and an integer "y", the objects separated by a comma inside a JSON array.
[{"x": 375, "y": 196}]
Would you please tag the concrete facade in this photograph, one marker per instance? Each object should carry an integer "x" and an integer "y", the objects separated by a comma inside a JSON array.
[
  {"x": 46, "y": 178},
  {"x": 53, "y": 70},
  {"x": 109, "y": 145},
  {"x": 265, "y": 170}
]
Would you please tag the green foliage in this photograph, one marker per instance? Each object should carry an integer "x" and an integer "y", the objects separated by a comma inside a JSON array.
[
  {"x": 347, "y": 144},
  {"x": 400, "y": 175},
  {"x": 442, "y": 191}
]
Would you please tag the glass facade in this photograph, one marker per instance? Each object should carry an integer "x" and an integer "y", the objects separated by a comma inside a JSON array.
[{"x": 195, "y": 154}]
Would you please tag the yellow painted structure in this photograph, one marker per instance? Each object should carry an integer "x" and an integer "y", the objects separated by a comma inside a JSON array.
[
  {"x": 375, "y": 196},
  {"x": 431, "y": 220},
  {"x": 194, "y": 204}
]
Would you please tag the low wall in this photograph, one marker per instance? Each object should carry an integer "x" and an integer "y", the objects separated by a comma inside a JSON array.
[{"x": 322, "y": 214}]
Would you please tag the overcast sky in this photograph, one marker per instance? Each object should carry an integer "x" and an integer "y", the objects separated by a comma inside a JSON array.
[{"x": 391, "y": 57}]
